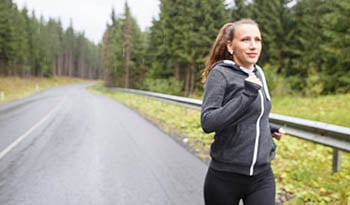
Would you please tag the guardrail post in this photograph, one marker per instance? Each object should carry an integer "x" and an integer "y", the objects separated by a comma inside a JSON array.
[{"x": 336, "y": 160}]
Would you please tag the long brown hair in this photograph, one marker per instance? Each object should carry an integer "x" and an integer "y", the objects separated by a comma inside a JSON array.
[{"x": 219, "y": 50}]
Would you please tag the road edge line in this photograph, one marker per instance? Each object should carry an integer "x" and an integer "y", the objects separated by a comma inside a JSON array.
[{"x": 10, "y": 147}]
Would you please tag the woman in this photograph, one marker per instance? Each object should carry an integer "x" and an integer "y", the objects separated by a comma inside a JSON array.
[{"x": 236, "y": 106}]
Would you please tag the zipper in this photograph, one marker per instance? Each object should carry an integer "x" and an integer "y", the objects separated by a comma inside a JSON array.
[
  {"x": 266, "y": 90},
  {"x": 256, "y": 145}
]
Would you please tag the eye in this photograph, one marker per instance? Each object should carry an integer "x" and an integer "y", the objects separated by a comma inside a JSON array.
[
  {"x": 258, "y": 39},
  {"x": 245, "y": 39}
]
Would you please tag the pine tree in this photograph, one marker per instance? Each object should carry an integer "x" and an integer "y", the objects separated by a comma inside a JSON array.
[
  {"x": 20, "y": 66},
  {"x": 208, "y": 20},
  {"x": 181, "y": 39},
  {"x": 128, "y": 44},
  {"x": 32, "y": 28},
  {"x": 7, "y": 36},
  {"x": 276, "y": 23},
  {"x": 106, "y": 57},
  {"x": 122, "y": 51},
  {"x": 307, "y": 61},
  {"x": 29, "y": 46},
  {"x": 335, "y": 46},
  {"x": 241, "y": 9}
]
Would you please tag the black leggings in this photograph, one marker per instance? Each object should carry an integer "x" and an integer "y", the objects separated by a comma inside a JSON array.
[{"x": 224, "y": 188}]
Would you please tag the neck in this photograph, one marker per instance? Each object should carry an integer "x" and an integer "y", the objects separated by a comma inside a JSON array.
[{"x": 247, "y": 66}]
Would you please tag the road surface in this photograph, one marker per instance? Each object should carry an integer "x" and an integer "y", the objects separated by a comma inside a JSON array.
[{"x": 68, "y": 146}]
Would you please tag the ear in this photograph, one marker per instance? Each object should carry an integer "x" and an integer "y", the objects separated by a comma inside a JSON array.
[{"x": 229, "y": 47}]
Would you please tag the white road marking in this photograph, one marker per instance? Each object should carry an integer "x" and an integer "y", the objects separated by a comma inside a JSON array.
[{"x": 26, "y": 134}]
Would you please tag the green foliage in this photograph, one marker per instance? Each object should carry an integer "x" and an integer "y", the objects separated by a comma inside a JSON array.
[
  {"x": 241, "y": 9},
  {"x": 122, "y": 52},
  {"x": 175, "y": 47},
  {"x": 278, "y": 85},
  {"x": 7, "y": 35},
  {"x": 169, "y": 86},
  {"x": 305, "y": 42},
  {"x": 309, "y": 177},
  {"x": 302, "y": 169},
  {"x": 305, "y": 63},
  {"x": 36, "y": 47},
  {"x": 314, "y": 85},
  {"x": 336, "y": 46},
  {"x": 181, "y": 38},
  {"x": 276, "y": 24}
]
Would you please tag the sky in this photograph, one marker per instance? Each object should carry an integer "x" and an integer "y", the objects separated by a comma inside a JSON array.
[{"x": 91, "y": 16}]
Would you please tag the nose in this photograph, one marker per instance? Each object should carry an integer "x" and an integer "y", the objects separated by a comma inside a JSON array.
[{"x": 253, "y": 44}]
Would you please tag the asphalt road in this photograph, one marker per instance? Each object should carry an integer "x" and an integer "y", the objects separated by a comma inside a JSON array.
[{"x": 68, "y": 146}]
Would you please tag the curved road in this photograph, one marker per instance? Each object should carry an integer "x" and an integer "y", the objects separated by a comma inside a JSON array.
[{"x": 68, "y": 146}]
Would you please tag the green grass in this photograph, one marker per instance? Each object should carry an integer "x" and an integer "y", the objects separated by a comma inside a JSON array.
[
  {"x": 302, "y": 168},
  {"x": 300, "y": 163},
  {"x": 331, "y": 109},
  {"x": 12, "y": 88}
]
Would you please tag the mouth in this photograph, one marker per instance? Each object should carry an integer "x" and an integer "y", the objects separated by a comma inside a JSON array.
[{"x": 252, "y": 55}]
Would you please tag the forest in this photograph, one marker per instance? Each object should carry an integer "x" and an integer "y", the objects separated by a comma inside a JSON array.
[
  {"x": 306, "y": 45},
  {"x": 34, "y": 46}
]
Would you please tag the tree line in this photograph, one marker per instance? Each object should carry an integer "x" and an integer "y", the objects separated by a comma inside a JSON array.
[
  {"x": 31, "y": 46},
  {"x": 305, "y": 45}
]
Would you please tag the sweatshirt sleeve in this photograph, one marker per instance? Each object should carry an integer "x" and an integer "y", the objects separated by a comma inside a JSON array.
[
  {"x": 216, "y": 116},
  {"x": 274, "y": 128}
]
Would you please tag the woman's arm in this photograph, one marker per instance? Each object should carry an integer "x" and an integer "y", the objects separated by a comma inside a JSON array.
[{"x": 216, "y": 116}]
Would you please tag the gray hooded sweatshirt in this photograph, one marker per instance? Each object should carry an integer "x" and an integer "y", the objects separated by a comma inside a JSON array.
[{"x": 238, "y": 112}]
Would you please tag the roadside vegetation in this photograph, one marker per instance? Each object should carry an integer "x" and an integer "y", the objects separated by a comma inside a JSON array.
[
  {"x": 12, "y": 88},
  {"x": 302, "y": 168}
]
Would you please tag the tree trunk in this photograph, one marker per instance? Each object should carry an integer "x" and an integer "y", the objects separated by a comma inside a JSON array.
[
  {"x": 177, "y": 71},
  {"x": 2, "y": 65},
  {"x": 70, "y": 64},
  {"x": 187, "y": 81},
  {"x": 127, "y": 68},
  {"x": 193, "y": 82}
]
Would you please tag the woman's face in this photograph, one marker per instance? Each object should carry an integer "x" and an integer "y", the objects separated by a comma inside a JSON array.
[{"x": 246, "y": 45}]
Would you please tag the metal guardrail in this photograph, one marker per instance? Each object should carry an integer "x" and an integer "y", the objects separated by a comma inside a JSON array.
[{"x": 334, "y": 136}]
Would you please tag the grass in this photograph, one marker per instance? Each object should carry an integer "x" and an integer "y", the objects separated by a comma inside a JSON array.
[
  {"x": 12, "y": 88},
  {"x": 307, "y": 163},
  {"x": 330, "y": 109},
  {"x": 302, "y": 168}
]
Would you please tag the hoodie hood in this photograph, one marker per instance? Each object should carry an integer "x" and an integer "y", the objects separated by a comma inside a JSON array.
[{"x": 227, "y": 64}]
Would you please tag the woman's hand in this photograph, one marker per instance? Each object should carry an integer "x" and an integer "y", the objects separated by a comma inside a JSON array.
[
  {"x": 252, "y": 78},
  {"x": 279, "y": 134}
]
